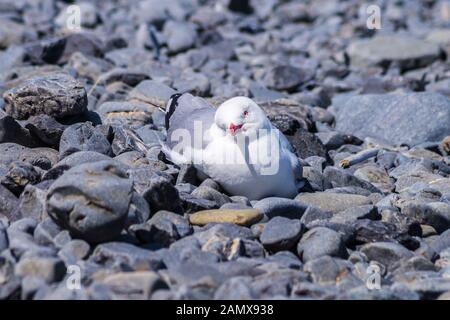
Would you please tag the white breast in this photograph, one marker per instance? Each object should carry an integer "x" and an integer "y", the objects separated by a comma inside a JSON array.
[{"x": 256, "y": 170}]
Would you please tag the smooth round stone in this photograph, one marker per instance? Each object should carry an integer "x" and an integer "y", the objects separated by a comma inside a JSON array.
[
  {"x": 319, "y": 242},
  {"x": 244, "y": 217},
  {"x": 281, "y": 234},
  {"x": 91, "y": 200},
  {"x": 334, "y": 202}
]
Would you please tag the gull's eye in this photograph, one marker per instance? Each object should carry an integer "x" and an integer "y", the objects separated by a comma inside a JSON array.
[{"x": 245, "y": 113}]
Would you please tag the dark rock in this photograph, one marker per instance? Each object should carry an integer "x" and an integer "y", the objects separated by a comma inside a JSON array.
[
  {"x": 307, "y": 144},
  {"x": 57, "y": 95},
  {"x": 281, "y": 234},
  {"x": 435, "y": 214},
  {"x": 333, "y": 140},
  {"x": 162, "y": 195},
  {"x": 335, "y": 178},
  {"x": 126, "y": 140},
  {"x": 320, "y": 242},
  {"x": 243, "y": 6},
  {"x": 286, "y": 77},
  {"x": 47, "y": 129},
  {"x": 374, "y": 231},
  {"x": 285, "y": 123},
  {"x": 45, "y": 51},
  {"x": 352, "y": 214},
  {"x": 83, "y": 137},
  {"x": 313, "y": 214},
  {"x": 11, "y": 131},
  {"x": 91, "y": 200},
  {"x": 187, "y": 174},
  {"x": 164, "y": 228},
  {"x": 143, "y": 176},
  {"x": 85, "y": 43},
  {"x": 191, "y": 204}
]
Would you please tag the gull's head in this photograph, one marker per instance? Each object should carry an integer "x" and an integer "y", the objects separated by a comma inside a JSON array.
[{"x": 241, "y": 115}]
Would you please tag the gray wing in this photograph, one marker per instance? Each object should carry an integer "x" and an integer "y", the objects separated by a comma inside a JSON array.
[{"x": 186, "y": 111}]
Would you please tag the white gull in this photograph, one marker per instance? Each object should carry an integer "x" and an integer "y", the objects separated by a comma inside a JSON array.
[{"x": 235, "y": 145}]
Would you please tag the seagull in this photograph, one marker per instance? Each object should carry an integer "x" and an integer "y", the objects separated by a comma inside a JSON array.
[{"x": 236, "y": 145}]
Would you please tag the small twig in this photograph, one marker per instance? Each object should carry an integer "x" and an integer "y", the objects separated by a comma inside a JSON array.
[{"x": 359, "y": 157}]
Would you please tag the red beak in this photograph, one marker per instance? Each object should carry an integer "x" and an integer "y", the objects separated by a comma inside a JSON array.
[{"x": 233, "y": 128}]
